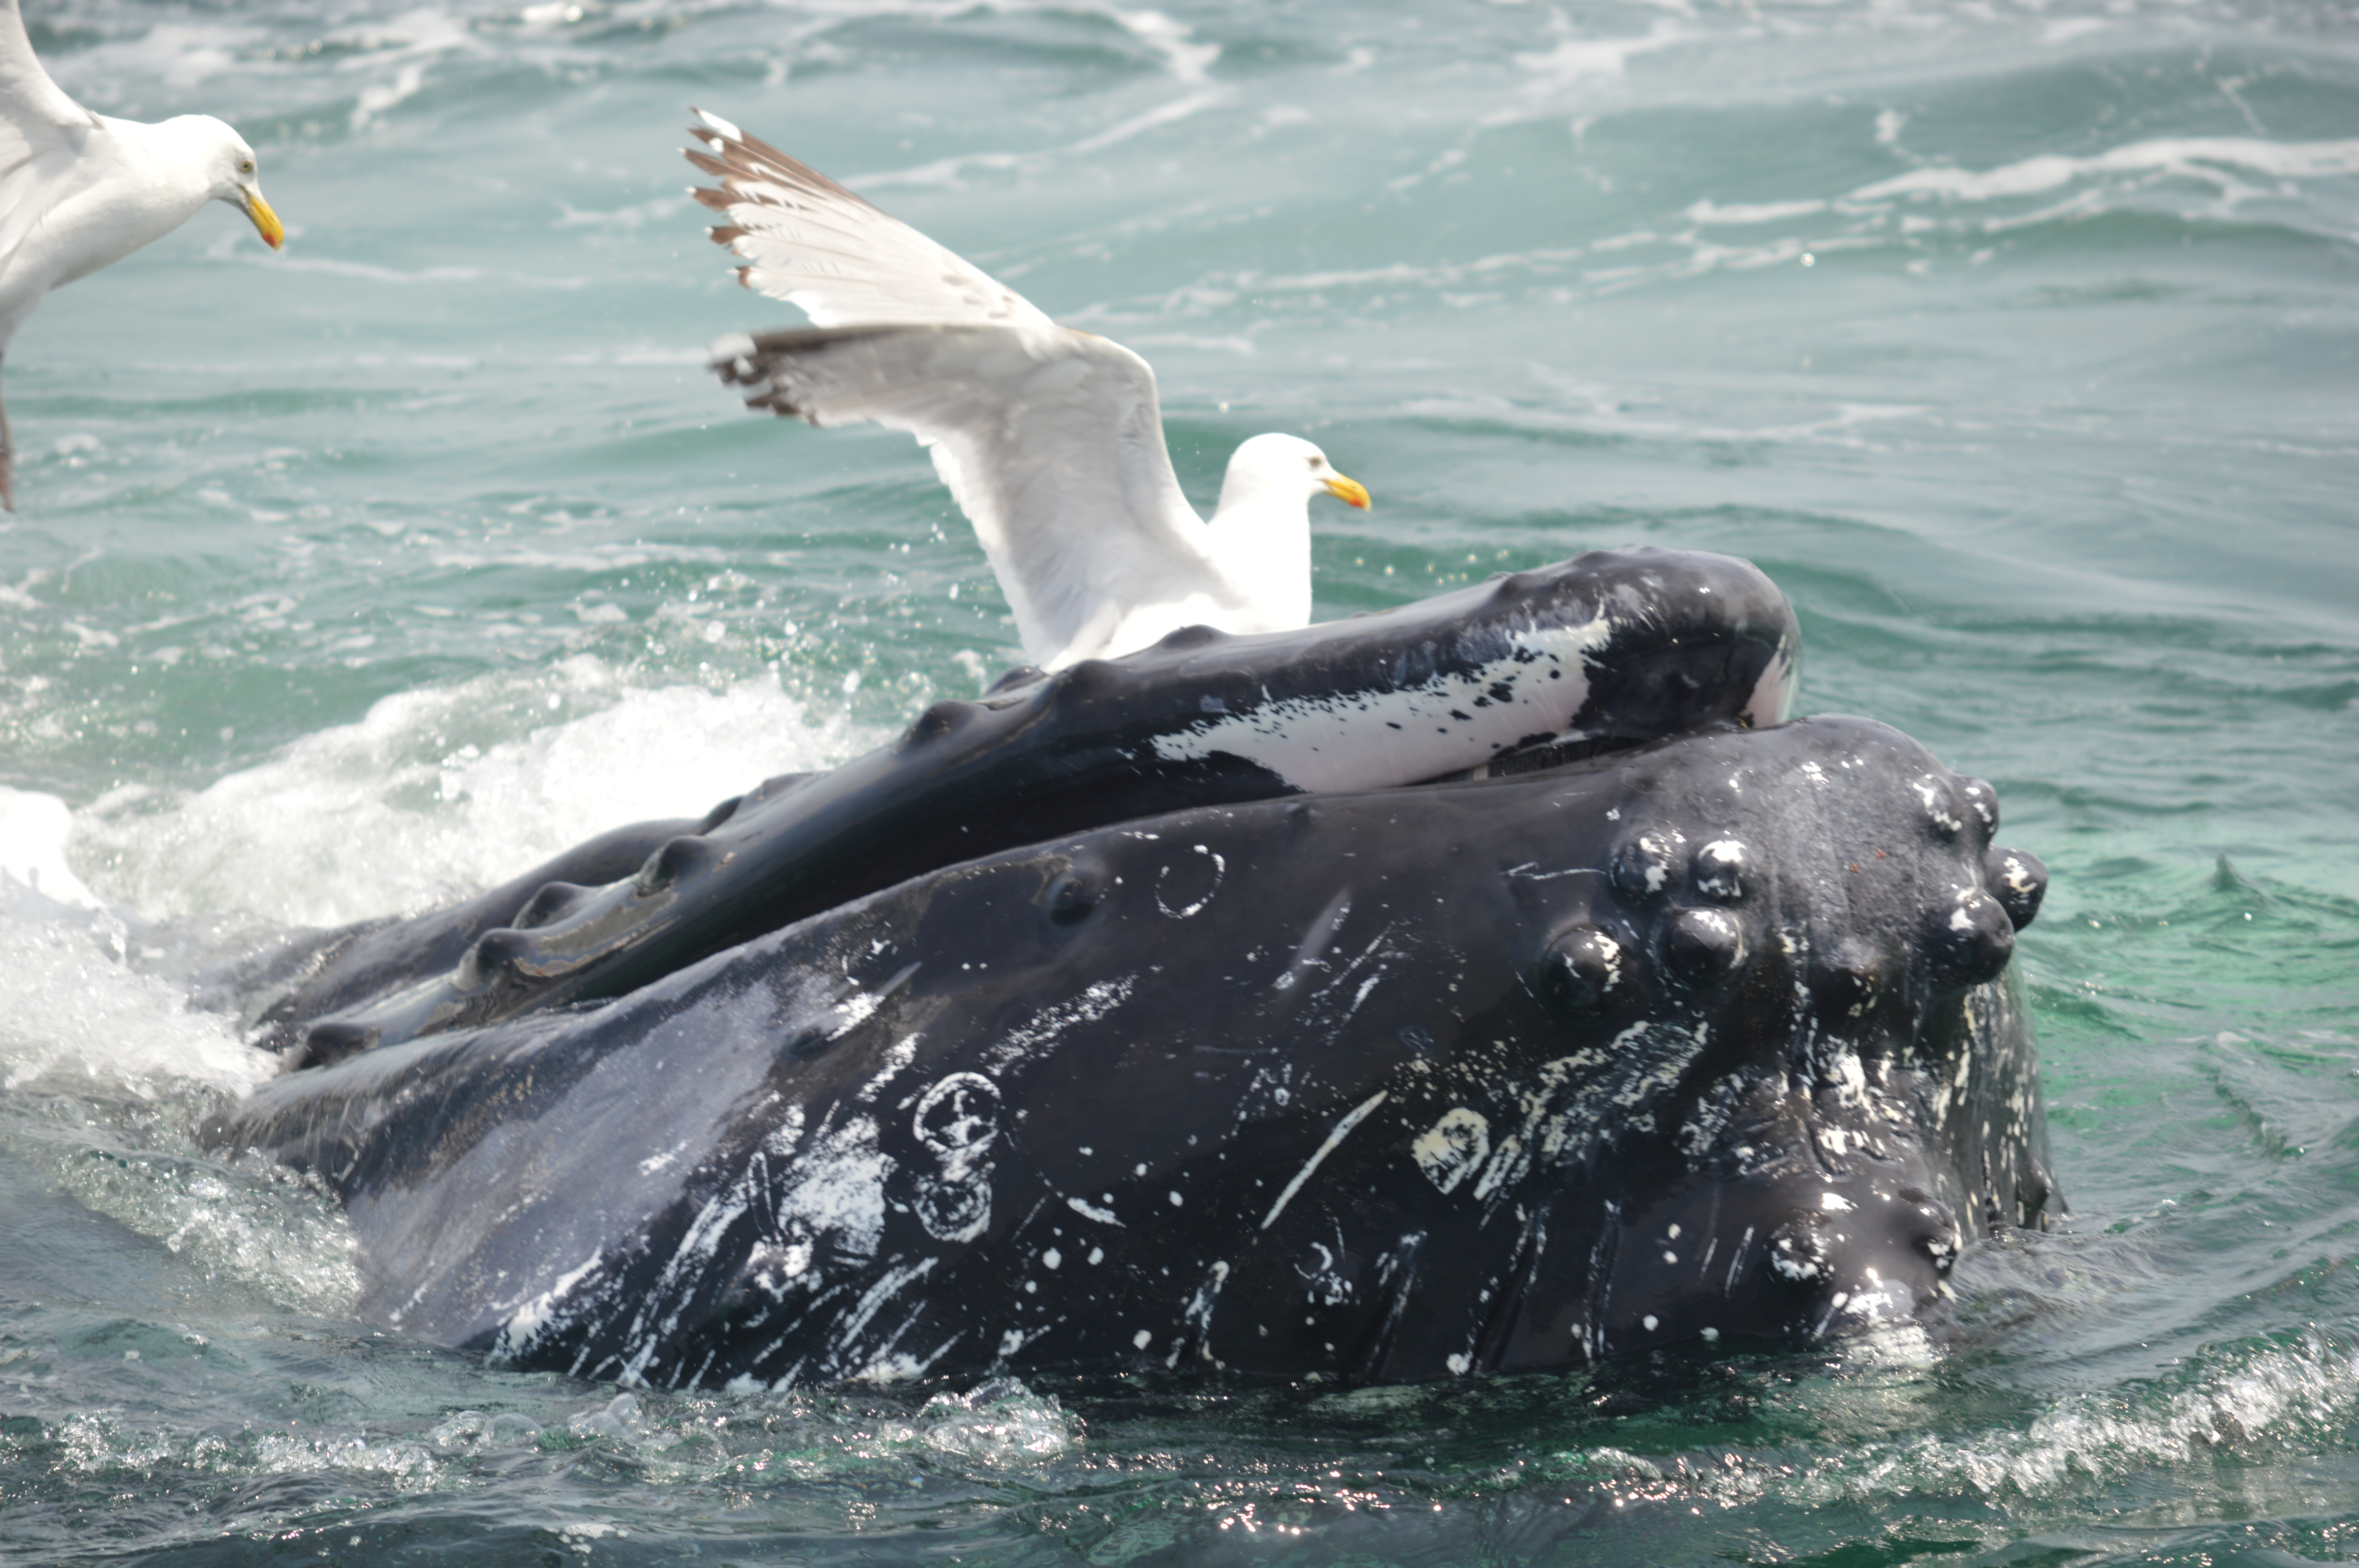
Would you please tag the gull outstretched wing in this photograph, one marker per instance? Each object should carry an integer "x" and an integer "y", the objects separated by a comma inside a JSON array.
[
  {"x": 1051, "y": 441},
  {"x": 41, "y": 131},
  {"x": 810, "y": 242}
]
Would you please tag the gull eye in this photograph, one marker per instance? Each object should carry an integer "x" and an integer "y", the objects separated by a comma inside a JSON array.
[{"x": 245, "y": 166}]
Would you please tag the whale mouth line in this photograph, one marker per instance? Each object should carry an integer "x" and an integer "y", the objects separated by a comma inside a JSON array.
[{"x": 1541, "y": 756}]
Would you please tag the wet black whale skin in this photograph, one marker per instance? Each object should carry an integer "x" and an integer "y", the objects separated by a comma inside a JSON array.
[
  {"x": 1687, "y": 639},
  {"x": 1709, "y": 1039}
]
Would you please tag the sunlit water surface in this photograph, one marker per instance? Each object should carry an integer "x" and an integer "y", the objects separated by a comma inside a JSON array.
[{"x": 2017, "y": 340}]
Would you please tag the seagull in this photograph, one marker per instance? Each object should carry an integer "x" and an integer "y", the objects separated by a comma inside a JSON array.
[
  {"x": 80, "y": 192},
  {"x": 1050, "y": 439}
]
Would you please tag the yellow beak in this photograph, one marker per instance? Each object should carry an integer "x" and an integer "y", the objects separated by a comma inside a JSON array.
[
  {"x": 1349, "y": 489},
  {"x": 265, "y": 221}
]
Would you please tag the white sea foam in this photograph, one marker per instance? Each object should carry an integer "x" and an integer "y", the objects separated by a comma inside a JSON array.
[
  {"x": 998, "y": 1425},
  {"x": 1744, "y": 213},
  {"x": 72, "y": 1015},
  {"x": 178, "y": 55},
  {"x": 1186, "y": 58},
  {"x": 74, "y": 1018},
  {"x": 33, "y": 832},
  {"x": 261, "y": 1226},
  {"x": 2237, "y": 1403},
  {"x": 2206, "y": 158},
  {"x": 79, "y": 1022},
  {"x": 1576, "y": 56},
  {"x": 445, "y": 789}
]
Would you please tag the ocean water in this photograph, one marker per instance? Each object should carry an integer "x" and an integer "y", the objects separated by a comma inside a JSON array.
[{"x": 2018, "y": 339}]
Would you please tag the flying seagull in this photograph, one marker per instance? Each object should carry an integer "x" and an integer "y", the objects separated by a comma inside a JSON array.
[
  {"x": 80, "y": 192},
  {"x": 1050, "y": 439}
]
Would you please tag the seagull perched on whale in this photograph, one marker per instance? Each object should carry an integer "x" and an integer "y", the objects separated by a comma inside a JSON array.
[
  {"x": 1050, "y": 439},
  {"x": 80, "y": 192}
]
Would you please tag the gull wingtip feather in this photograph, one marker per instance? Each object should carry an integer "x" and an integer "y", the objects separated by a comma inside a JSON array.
[{"x": 713, "y": 125}]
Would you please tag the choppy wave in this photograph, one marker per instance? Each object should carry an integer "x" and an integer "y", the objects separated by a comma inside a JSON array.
[{"x": 441, "y": 791}]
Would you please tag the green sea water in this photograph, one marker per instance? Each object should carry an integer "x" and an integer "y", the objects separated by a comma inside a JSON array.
[{"x": 2018, "y": 341}]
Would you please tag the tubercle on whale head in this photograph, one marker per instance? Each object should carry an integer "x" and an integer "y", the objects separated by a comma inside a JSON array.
[
  {"x": 1812, "y": 1201},
  {"x": 1799, "y": 1259},
  {"x": 941, "y": 719},
  {"x": 2019, "y": 879},
  {"x": 1698, "y": 909},
  {"x": 1682, "y": 920}
]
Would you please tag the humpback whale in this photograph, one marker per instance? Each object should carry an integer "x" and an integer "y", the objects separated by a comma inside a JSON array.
[
  {"x": 1497, "y": 983},
  {"x": 1705, "y": 1038}
]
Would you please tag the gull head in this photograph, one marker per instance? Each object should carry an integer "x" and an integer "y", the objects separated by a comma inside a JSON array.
[
  {"x": 231, "y": 171},
  {"x": 1285, "y": 468}
]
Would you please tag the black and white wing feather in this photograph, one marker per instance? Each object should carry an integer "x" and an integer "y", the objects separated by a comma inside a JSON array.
[
  {"x": 1050, "y": 439},
  {"x": 808, "y": 240}
]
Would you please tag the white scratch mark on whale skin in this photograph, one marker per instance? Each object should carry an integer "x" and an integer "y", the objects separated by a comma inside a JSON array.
[
  {"x": 838, "y": 1187},
  {"x": 527, "y": 1322},
  {"x": 1529, "y": 871},
  {"x": 896, "y": 1060},
  {"x": 1352, "y": 1119},
  {"x": 871, "y": 1303},
  {"x": 1044, "y": 1027},
  {"x": 1937, "y": 809},
  {"x": 855, "y": 1011},
  {"x": 1571, "y": 1107},
  {"x": 654, "y": 1162}
]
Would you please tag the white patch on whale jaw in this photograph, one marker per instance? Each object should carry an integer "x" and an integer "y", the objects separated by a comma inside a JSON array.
[
  {"x": 1453, "y": 1146},
  {"x": 1575, "y": 1106},
  {"x": 1198, "y": 1314},
  {"x": 1365, "y": 740},
  {"x": 1709, "y": 1115},
  {"x": 836, "y": 1190},
  {"x": 1772, "y": 702}
]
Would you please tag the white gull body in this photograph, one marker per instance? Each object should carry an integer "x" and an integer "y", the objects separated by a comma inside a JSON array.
[
  {"x": 80, "y": 192},
  {"x": 1050, "y": 439}
]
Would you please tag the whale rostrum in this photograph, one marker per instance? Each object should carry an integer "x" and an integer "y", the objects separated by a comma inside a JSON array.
[
  {"x": 1606, "y": 650},
  {"x": 1708, "y": 1037}
]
